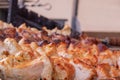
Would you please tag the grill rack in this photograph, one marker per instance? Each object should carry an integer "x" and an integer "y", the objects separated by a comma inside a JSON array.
[{"x": 17, "y": 16}]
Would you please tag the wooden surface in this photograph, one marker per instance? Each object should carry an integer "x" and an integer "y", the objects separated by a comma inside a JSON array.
[{"x": 103, "y": 34}]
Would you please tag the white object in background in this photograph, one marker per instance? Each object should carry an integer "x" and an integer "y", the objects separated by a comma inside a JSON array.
[{"x": 99, "y": 15}]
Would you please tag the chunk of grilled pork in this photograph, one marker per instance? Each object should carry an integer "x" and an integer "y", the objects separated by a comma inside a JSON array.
[
  {"x": 62, "y": 69},
  {"x": 12, "y": 68},
  {"x": 82, "y": 70},
  {"x": 19, "y": 62}
]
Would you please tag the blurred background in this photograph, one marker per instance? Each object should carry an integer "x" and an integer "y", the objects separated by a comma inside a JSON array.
[{"x": 97, "y": 18}]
